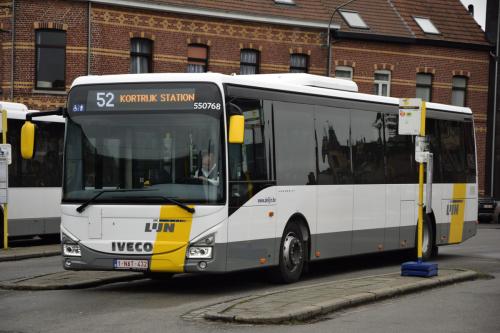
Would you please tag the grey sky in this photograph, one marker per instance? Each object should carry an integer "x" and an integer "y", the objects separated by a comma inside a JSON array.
[{"x": 479, "y": 10}]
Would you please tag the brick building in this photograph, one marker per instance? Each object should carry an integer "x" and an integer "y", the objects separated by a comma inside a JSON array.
[{"x": 402, "y": 48}]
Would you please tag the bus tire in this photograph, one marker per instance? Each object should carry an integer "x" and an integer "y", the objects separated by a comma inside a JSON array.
[
  {"x": 1, "y": 229},
  {"x": 293, "y": 253},
  {"x": 429, "y": 248}
]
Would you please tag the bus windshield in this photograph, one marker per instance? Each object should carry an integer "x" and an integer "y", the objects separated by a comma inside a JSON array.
[{"x": 173, "y": 149}]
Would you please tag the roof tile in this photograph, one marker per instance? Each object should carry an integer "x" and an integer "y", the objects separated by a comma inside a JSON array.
[{"x": 384, "y": 17}]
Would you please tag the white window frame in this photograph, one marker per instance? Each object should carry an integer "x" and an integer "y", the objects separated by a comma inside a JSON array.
[
  {"x": 346, "y": 69},
  {"x": 380, "y": 83}
]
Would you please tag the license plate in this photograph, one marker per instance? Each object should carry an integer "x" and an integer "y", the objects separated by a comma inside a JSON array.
[
  {"x": 131, "y": 264},
  {"x": 488, "y": 206}
]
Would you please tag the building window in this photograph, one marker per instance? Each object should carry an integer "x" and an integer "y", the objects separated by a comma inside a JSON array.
[
  {"x": 298, "y": 63},
  {"x": 382, "y": 83},
  {"x": 426, "y": 25},
  {"x": 424, "y": 86},
  {"x": 50, "y": 60},
  {"x": 343, "y": 72},
  {"x": 353, "y": 19},
  {"x": 141, "y": 51},
  {"x": 458, "y": 90},
  {"x": 197, "y": 58},
  {"x": 249, "y": 61}
]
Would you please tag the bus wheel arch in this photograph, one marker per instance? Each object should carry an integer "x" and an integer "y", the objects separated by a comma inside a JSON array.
[
  {"x": 429, "y": 230},
  {"x": 432, "y": 219},
  {"x": 1, "y": 227},
  {"x": 294, "y": 250}
]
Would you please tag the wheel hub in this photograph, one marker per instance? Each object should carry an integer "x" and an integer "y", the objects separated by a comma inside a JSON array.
[{"x": 292, "y": 251}]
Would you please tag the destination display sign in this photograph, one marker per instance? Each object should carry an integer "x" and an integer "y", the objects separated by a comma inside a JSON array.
[{"x": 144, "y": 99}]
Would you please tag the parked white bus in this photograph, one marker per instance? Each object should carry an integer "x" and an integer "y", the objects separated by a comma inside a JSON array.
[
  {"x": 152, "y": 184},
  {"x": 34, "y": 193}
]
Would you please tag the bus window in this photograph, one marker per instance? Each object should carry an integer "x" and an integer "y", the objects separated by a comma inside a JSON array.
[
  {"x": 44, "y": 170},
  {"x": 332, "y": 135},
  {"x": 452, "y": 151},
  {"x": 401, "y": 167},
  {"x": 367, "y": 133},
  {"x": 295, "y": 144},
  {"x": 250, "y": 163},
  {"x": 432, "y": 131},
  {"x": 470, "y": 151}
]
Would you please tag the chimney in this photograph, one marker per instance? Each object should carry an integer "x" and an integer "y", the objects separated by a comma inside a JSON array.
[{"x": 470, "y": 8}]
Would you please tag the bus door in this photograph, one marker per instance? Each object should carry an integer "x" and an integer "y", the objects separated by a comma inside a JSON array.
[{"x": 252, "y": 190}]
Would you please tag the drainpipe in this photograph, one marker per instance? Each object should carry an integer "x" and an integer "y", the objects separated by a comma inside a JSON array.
[
  {"x": 329, "y": 58},
  {"x": 13, "y": 51},
  {"x": 89, "y": 40},
  {"x": 495, "y": 106}
]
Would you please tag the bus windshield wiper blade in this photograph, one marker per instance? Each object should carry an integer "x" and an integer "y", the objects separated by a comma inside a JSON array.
[
  {"x": 84, "y": 205},
  {"x": 168, "y": 199}
]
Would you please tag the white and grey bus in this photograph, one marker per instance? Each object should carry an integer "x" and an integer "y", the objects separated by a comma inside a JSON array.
[
  {"x": 34, "y": 192},
  {"x": 159, "y": 178}
]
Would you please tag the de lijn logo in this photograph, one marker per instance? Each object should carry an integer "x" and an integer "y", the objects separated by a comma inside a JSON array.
[
  {"x": 161, "y": 225},
  {"x": 453, "y": 207}
]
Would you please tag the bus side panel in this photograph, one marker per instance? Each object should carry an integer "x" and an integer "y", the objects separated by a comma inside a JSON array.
[
  {"x": 407, "y": 230},
  {"x": 43, "y": 215},
  {"x": 369, "y": 218},
  {"x": 458, "y": 209},
  {"x": 334, "y": 226},
  {"x": 251, "y": 232}
]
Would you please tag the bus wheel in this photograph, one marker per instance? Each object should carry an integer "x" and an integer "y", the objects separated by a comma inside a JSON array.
[
  {"x": 429, "y": 247},
  {"x": 1, "y": 231},
  {"x": 292, "y": 254}
]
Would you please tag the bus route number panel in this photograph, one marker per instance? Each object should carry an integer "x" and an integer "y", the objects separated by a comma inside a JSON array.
[
  {"x": 145, "y": 99},
  {"x": 131, "y": 264}
]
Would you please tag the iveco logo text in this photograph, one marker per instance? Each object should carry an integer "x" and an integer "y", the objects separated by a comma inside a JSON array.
[
  {"x": 132, "y": 246},
  {"x": 161, "y": 226},
  {"x": 266, "y": 200}
]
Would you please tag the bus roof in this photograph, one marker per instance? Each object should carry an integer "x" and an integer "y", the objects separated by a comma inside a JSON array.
[
  {"x": 19, "y": 111},
  {"x": 292, "y": 82}
]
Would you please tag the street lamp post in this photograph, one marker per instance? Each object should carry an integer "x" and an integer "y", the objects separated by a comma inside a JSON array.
[{"x": 328, "y": 65}]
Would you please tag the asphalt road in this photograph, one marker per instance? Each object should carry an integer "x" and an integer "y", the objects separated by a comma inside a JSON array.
[{"x": 156, "y": 306}]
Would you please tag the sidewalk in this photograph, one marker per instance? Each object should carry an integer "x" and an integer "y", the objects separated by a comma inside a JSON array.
[
  {"x": 303, "y": 303},
  {"x": 18, "y": 253}
]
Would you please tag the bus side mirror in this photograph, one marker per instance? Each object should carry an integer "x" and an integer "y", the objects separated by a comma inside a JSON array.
[
  {"x": 236, "y": 129},
  {"x": 28, "y": 140}
]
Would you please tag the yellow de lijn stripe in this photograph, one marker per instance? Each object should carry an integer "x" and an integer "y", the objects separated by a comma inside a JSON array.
[
  {"x": 457, "y": 220},
  {"x": 169, "y": 249}
]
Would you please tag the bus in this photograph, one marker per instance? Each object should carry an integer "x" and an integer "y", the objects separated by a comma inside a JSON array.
[
  {"x": 34, "y": 192},
  {"x": 208, "y": 173}
]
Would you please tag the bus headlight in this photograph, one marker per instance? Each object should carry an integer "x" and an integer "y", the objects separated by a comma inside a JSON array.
[
  {"x": 199, "y": 252},
  {"x": 72, "y": 250}
]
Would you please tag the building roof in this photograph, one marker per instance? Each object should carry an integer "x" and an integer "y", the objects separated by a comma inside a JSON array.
[{"x": 391, "y": 18}]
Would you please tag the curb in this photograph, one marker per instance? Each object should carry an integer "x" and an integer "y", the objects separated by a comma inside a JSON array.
[
  {"x": 29, "y": 256},
  {"x": 341, "y": 303},
  {"x": 77, "y": 285}
]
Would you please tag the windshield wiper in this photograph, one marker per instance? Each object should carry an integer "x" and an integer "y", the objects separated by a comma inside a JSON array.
[
  {"x": 168, "y": 199},
  {"x": 84, "y": 205}
]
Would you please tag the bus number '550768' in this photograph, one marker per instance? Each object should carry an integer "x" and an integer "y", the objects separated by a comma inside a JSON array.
[{"x": 207, "y": 106}]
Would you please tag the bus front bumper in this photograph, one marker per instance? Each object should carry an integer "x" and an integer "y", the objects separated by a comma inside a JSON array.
[{"x": 174, "y": 262}]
